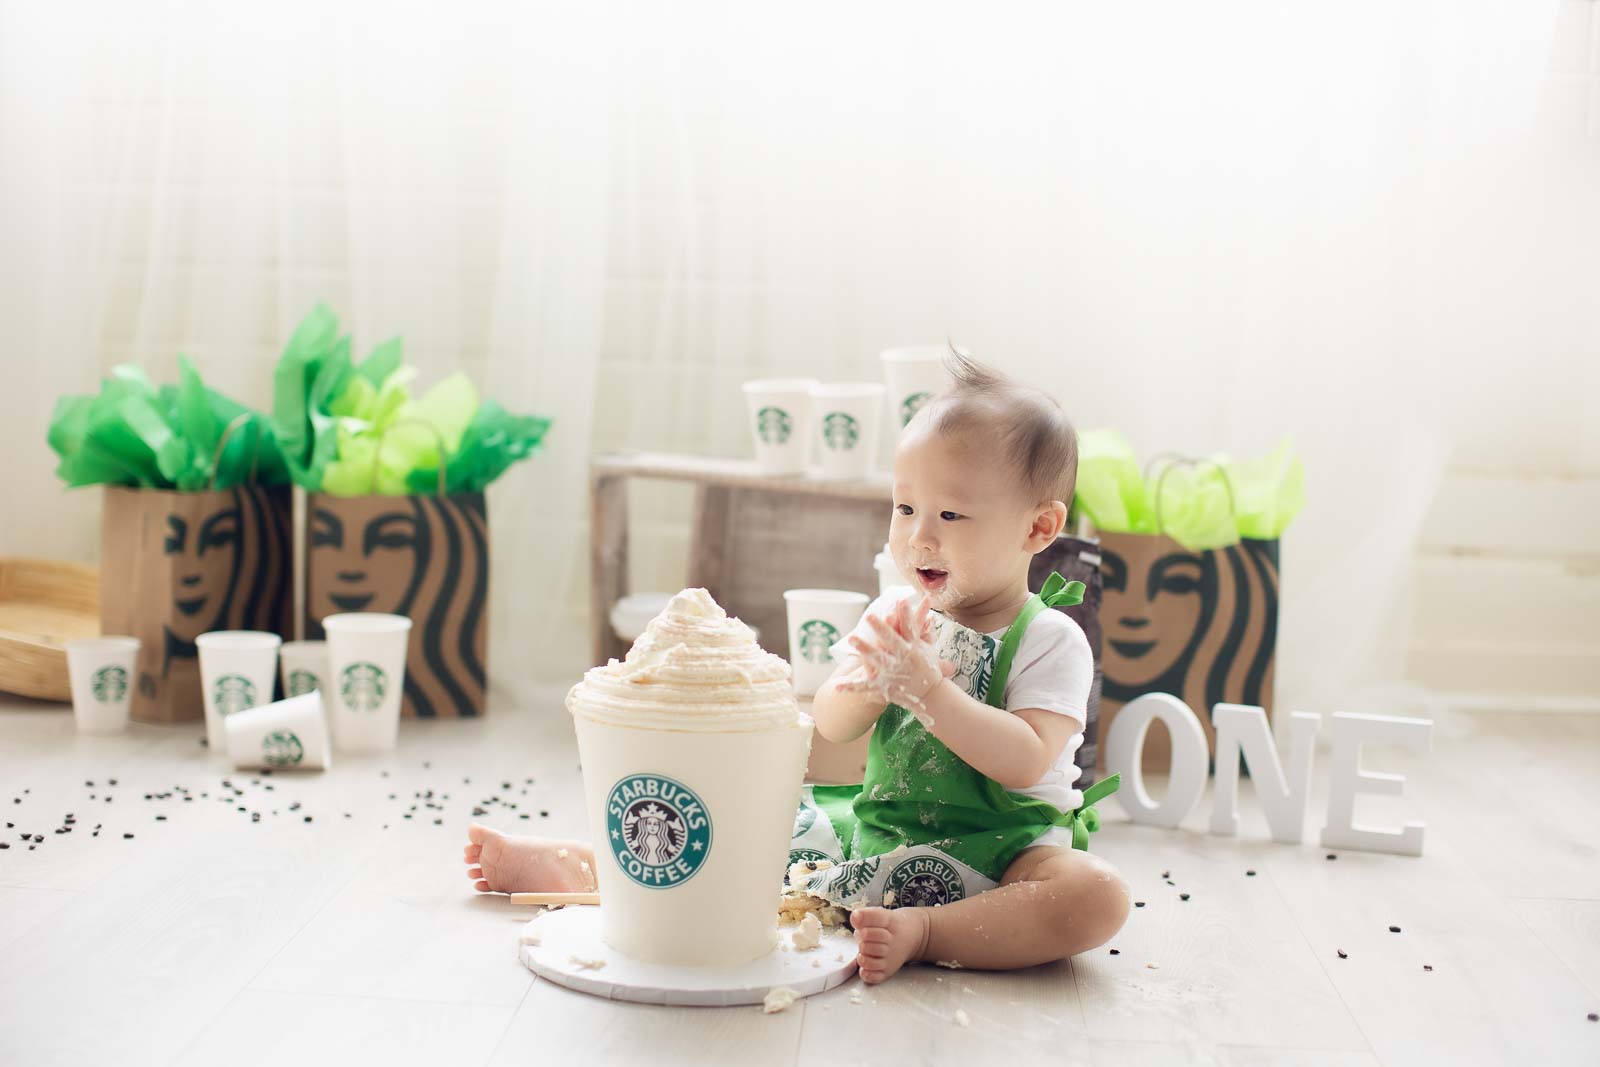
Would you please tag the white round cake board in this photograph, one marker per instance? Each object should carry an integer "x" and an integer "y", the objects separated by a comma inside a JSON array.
[{"x": 570, "y": 935}]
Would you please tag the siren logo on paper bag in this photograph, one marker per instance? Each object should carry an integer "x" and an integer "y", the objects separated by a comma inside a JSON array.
[
  {"x": 774, "y": 425},
  {"x": 816, "y": 637},
  {"x": 925, "y": 881},
  {"x": 659, "y": 832},
  {"x": 109, "y": 684},
  {"x": 362, "y": 685},
  {"x": 231, "y": 693},
  {"x": 281, "y": 748},
  {"x": 840, "y": 431},
  {"x": 911, "y": 405}
]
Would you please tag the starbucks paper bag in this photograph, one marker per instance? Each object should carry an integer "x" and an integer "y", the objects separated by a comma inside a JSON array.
[
  {"x": 425, "y": 557},
  {"x": 1201, "y": 625},
  {"x": 174, "y": 565}
]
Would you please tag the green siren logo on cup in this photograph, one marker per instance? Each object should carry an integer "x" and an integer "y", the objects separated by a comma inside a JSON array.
[
  {"x": 301, "y": 683},
  {"x": 924, "y": 881},
  {"x": 816, "y": 637},
  {"x": 911, "y": 405},
  {"x": 840, "y": 431},
  {"x": 362, "y": 686},
  {"x": 281, "y": 748},
  {"x": 773, "y": 424},
  {"x": 231, "y": 693},
  {"x": 658, "y": 830},
  {"x": 109, "y": 684}
]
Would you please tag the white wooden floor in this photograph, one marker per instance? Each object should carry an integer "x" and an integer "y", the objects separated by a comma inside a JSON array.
[{"x": 354, "y": 938}]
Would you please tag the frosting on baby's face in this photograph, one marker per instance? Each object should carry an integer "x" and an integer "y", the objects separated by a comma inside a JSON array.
[
  {"x": 960, "y": 528},
  {"x": 694, "y": 668}
]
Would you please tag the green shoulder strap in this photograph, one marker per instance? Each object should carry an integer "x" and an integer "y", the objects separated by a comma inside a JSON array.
[{"x": 1057, "y": 591}]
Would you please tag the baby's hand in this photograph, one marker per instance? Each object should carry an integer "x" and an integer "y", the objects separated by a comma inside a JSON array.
[{"x": 903, "y": 664}]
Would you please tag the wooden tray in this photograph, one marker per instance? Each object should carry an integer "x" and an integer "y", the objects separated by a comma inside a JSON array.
[{"x": 43, "y": 605}]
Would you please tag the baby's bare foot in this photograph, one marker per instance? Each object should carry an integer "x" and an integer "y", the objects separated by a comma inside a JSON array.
[
  {"x": 503, "y": 864},
  {"x": 886, "y": 939}
]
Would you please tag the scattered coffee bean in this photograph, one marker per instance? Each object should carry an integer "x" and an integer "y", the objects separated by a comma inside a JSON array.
[
  {"x": 88, "y": 785},
  {"x": 111, "y": 781},
  {"x": 204, "y": 743},
  {"x": 524, "y": 815},
  {"x": 1166, "y": 874},
  {"x": 1394, "y": 929},
  {"x": 1331, "y": 856},
  {"x": 308, "y": 818},
  {"x": 1250, "y": 874},
  {"x": 5, "y": 844},
  {"x": 543, "y": 814},
  {"x": 1427, "y": 966},
  {"x": 1116, "y": 952},
  {"x": 1183, "y": 896},
  {"x": 127, "y": 837},
  {"x": 479, "y": 811},
  {"x": 1138, "y": 903},
  {"x": 1171, "y": 882},
  {"x": 161, "y": 818},
  {"x": 438, "y": 822},
  {"x": 1342, "y": 954},
  {"x": 255, "y": 816},
  {"x": 1594, "y": 1017}
]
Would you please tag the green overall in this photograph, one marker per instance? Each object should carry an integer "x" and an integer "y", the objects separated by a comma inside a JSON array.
[{"x": 925, "y": 827}]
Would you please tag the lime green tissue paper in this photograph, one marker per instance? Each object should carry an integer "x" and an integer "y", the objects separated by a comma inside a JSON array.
[
  {"x": 354, "y": 430},
  {"x": 133, "y": 433},
  {"x": 1203, "y": 503}
]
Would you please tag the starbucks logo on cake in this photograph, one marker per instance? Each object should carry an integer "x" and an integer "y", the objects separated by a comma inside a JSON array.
[
  {"x": 659, "y": 832},
  {"x": 774, "y": 425},
  {"x": 911, "y": 405},
  {"x": 362, "y": 686},
  {"x": 281, "y": 748},
  {"x": 816, "y": 637},
  {"x": 231, "y": 693},
  {"x": 301, "y": 683},
  {"x": 109, "y": 684},
  {"x": 840, "y": 431},
  {"x": 925, "y": 881}
]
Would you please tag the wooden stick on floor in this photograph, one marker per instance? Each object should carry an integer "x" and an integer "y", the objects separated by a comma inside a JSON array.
[{"x": 555, "y": 900}]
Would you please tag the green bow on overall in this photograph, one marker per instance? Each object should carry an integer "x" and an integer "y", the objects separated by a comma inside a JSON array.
[{"x": 918, "y": 792}]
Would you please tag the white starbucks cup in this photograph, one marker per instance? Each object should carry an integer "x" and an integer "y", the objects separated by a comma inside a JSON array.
[
  {"x": 366, "y": 677},
  {"x": 915, "y": 374},
  {"x": 818, "y": 618},
  {"x": 101, "y": 672},
  {"x": 845, "y": 423},
  {"x": 237, "y": 669},
  {"x": 304, "y": 665},
  {"x": 691, "y": 828},
  {"x": 290, "y": 734},
  {"x": 778, "y": 410}
]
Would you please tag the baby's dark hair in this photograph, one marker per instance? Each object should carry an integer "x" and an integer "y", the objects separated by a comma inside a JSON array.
[{"x": 987, "y": 408}]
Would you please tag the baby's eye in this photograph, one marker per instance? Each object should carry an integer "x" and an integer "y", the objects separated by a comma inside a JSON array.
[
  {"x": 949, "y": 516},
  {"x": 904, "y": 509}
]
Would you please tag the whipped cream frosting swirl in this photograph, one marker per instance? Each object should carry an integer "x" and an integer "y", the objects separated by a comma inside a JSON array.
[{"x": 693, "y": 669}]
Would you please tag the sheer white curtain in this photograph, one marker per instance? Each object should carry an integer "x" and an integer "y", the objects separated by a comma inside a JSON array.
[{"x": 1209, "y": 226}]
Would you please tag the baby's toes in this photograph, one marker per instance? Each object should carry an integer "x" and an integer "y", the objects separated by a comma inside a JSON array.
[
  {"x": 471, "y": 853},
  {"x": 475, "y": 873}
]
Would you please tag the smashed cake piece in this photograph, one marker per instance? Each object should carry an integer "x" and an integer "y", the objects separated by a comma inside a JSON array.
[
  {"x": 794, "y": 907},
  {"x": 809, "y": 933},
  {"x": 778, "y": 999}
]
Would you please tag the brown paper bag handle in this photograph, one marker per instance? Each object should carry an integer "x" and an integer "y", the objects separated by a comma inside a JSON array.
[
  {"x": 1174, "y": 459},
  {"x": 222, "y": 442},
  {"x": 438, "y": 439}
]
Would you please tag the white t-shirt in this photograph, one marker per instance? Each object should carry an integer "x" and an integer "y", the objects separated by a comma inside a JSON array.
[{"x": 1053, "y": 670}]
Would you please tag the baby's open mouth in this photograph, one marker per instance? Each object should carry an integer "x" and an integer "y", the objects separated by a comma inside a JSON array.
[{"x": 931, "y": 578}]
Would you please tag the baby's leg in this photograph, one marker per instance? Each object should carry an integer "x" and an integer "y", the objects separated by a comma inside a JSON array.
[
  {"x": 1051, "y": 904},
  {"x": 499, "y": 863}
]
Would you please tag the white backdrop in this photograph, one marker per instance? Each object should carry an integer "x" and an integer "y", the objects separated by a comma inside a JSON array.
[{"x": 1371, "y": 226}]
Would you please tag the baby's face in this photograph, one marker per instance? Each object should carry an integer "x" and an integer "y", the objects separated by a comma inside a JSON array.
[{"x": 960, "y": 527}]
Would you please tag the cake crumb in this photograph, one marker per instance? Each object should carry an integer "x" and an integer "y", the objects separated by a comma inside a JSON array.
[
  {"x": 961, "y": 1018},
  {"x": 855, "y": 996},
  {"x": 778, "y": 999},
  {"x": 529, "y": 935},
  {"x": 952, "y": 964},
  {"x": 561, "y": 853},
  {"x": 808, "y": 935},
  {"x": 969, "y": 989},
  {"x": 1153, "y": 966},
  {"x": 587, "y": 964}
]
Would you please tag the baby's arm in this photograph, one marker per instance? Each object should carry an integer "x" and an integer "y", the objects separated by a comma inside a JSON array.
[
  {"x": 1015, "y": 748},
  {"x": 842, "y": 714}
]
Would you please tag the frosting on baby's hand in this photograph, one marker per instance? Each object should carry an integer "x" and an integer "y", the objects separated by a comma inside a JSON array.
[{"x": 902, "y": 663}]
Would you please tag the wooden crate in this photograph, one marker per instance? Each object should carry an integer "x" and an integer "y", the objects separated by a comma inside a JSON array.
[{"x": 755, "y": 535}]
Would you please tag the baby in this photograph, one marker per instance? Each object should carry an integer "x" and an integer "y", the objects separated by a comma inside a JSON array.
[{"x": 965, "y": 844}]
